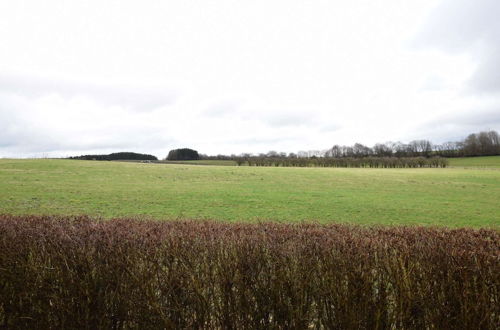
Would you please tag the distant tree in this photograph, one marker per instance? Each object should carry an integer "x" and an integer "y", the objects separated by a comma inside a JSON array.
[
  {"x": 412, "y": 148},
  {"x": 183, "y": 154},
  {"x": 382, "y": 150},
  {"x": 348, "y": 151},
  {"x": 130, "y": 155},
  {"x": 302, "y": 154},
  {"x": 495, "y": 140},
  {"x": 360, "y": 150},
  {"x": 335, "y": 151},
  {"x": 117, "y": 156},
  {"x": 488, "y": 143},
  {"x": 420, "y": 148},
  {"x": 399, "y": 149},
  {"x": 471, "y": 145},
  {"x": 314, "y": 153},
  {"x": 272, "y": 154}
]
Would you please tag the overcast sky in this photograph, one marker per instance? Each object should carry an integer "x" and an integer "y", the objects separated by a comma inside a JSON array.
[{"x": 243, "y": 76}]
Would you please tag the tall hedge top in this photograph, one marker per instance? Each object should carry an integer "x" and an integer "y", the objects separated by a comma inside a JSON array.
[{"x": 183, "y": 154}]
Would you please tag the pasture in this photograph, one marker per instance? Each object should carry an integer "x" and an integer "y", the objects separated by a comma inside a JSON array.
[
  {"x": 481, "y": 162},
  {"x": 201, "y": 162},
  {"x": 453, "y": 197}
]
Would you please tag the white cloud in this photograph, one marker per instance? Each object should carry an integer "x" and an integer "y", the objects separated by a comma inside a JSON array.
[
  {"x": 135, "y": 97},
  {"x": 55, "y": 125},
  {"x": 231, "y": 77},
  {"x": 467, "y": 27}
]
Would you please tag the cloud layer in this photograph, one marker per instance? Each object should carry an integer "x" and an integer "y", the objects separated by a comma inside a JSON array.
[
  {"x": 472, "y": 28},
  {"x": 229, "y": 77},
  {"x": 130, "y": 96}
]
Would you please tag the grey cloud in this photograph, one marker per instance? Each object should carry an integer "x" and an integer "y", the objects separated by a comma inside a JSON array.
[
  {"x": 458, "y": 125},
  {"x": 42, "y": 141},
  {"x": 464, "y": 26},
  {"x": 24, "y": 130},
  {"x": 483, "y": 118},
  {"x": 273, "y": 118},
  {"x": 223, "y": 108},
  {"x": 330, "y": 128},
  {"x": 456, "y": 25},
  {"x": 285, "y": 119},
  {"x": 487, "y": 76},
  {"x": 138, "y": 98},
  {"x": 264, "y": 140},
  {"x": 433, "y": 83}
]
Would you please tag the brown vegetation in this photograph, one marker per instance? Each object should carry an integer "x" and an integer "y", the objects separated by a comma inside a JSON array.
[
  {"x": 366, "y": 162},
  {"x": 76, "y": 272}
]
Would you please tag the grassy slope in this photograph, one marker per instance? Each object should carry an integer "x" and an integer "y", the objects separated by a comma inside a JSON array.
[
  {"x": 453, "y": 197},
  {"x": 487, "y": 161}
]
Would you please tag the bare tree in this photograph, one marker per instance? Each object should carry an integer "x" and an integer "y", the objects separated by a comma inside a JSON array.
[{"x": 382, "y": 150}]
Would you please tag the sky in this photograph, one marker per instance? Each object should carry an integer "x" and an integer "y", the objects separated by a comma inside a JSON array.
[{"x": 228, "y": 77}]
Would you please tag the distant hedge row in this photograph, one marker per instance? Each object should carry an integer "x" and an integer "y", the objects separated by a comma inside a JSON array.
[
  {"x": 75, "y": 272},
  {"x": 372, "y": 162},
  {"x": 117, "y": 156}
]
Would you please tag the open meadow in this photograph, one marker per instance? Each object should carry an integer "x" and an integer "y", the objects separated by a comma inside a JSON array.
[
  {"x": 452, "y": 197},
  {"x": 478, "y": 162}
]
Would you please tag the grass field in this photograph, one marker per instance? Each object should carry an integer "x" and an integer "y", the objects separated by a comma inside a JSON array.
[
  {"x": 451, "y": 197},
  {"x": 487, "y": 161},
  {"x": 201, "y": 162}
]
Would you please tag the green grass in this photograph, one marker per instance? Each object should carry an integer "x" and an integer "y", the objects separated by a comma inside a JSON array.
[
  {"x": 486, "y": 161},
  {"x": 202, "y": 162},
  {"x": 451, "y": 197}
]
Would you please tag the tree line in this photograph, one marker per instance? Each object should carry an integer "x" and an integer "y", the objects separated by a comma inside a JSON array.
[
  {"x": 485, "y": 143},
  {"x": 416, "y": 153},
  {"x": 366, "y": 162},
  {"x": 117, "y": 156}
]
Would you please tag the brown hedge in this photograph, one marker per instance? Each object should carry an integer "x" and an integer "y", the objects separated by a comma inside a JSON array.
[{"x": 78, "y": 272}]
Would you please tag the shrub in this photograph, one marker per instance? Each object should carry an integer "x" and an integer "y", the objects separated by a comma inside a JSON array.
[
  {"x": 117, "y": 156},
  {"x": 78, "y": 272},
  {"x": 183, "y": 154},
  {"x": 372, "y": 162}
]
